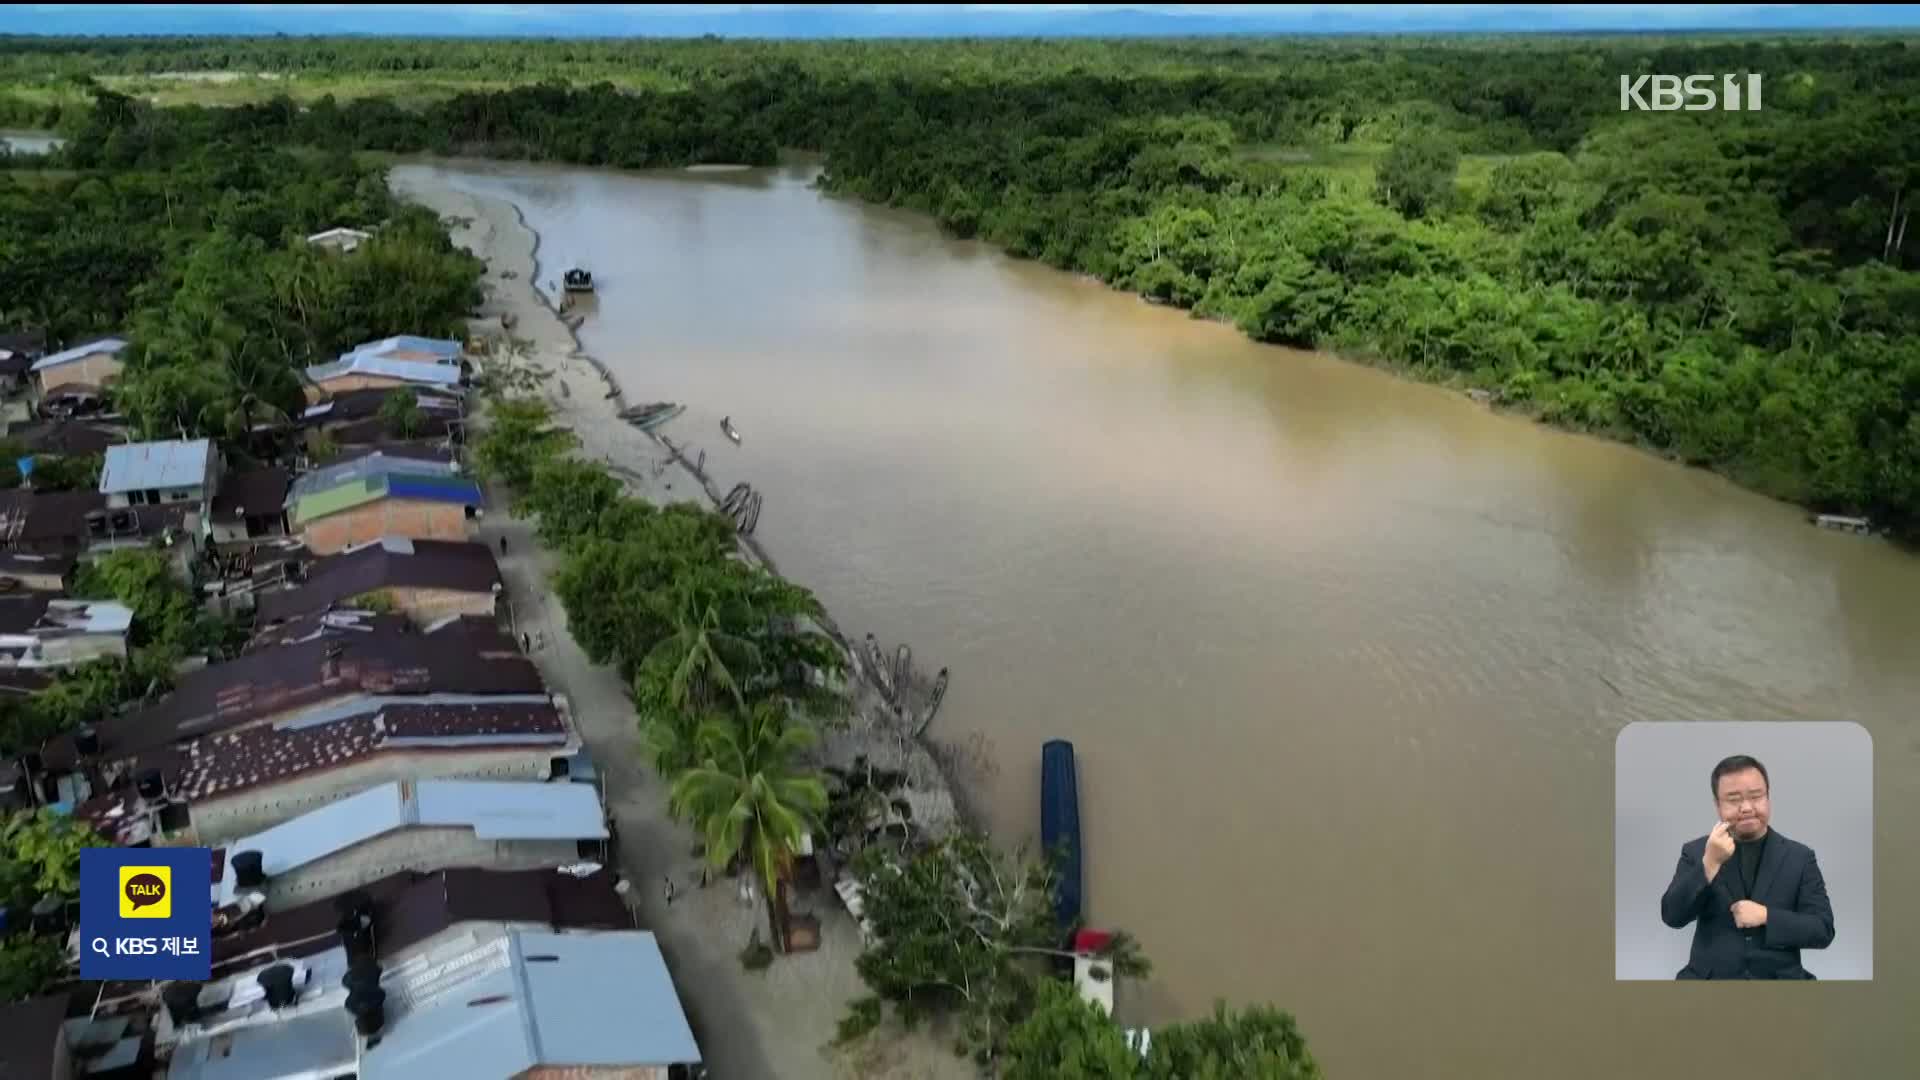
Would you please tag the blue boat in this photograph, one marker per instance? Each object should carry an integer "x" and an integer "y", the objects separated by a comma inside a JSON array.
[{"x": 1060, "y": 826}]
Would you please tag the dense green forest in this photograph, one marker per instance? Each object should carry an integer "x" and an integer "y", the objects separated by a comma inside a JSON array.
[{"x": 1733, "y": 289}]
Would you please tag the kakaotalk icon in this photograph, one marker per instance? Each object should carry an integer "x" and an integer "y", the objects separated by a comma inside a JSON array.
[{"x": 145, "y": 892}]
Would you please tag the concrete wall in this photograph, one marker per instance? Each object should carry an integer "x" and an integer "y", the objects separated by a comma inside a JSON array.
[
  {"x": 411, "y": 849},
  {"x": 424, "y": 606},
  {"x": 168, "y": 496},
  {"x": 80, "y": 648},
  {"x": 417, "y": 519},
  {"x": 96, "y": 369},
  {"x": 219, "y": 820},
  {"x": 228, "y": 532}
]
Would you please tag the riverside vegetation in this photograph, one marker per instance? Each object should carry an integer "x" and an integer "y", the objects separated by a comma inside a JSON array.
[
  {"x": 1727, "y": 288},
  {"x": 1731, "y": 289}
]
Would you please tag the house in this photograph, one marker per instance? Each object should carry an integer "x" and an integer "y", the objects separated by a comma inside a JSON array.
[
  {"x": 417, "y": 911},
  {"x": 37, "y": 631},
  {"x": 251, "y": 504},
  {"x": 96, "y": 364},
  {"x": 161, "y": 474},
  {"x": 341, "y": 239},
  {"x": 413, "y": 825},
  {"x": 314, "y": 680},
  {"x": 43, "y": 573},
  {"x": 378, "y": 496},
  {"x": 80, "y": 523},
  {"x": 427, "y": 363},
  {"x": 354, "y": 416},
  {"x": 527, "y": 1004},
  {"x": 19, "y": 351},
  {"x": 442, "y": 457},
  {"x": 66, "y": 438},
  {"x": 426, "y": 580},
  {"x": 224, "y": 786}
]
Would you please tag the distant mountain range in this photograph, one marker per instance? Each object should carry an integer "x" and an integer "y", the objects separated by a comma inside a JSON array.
[{"x": 935, "y": 20}]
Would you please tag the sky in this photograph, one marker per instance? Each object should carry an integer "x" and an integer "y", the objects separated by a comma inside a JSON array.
[{"x": 919, "y": 20}]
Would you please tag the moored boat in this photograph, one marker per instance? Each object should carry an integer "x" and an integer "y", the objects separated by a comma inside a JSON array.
[
  {"x": 651, "y": 415},
  {"x": 1843, "y": 523},
  {"x": 1060, "y": 826}
]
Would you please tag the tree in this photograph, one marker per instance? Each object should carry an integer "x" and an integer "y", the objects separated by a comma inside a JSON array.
[
  {"x": 1417, "y": 174},
  {"x": 39, "y": 856},
  {"x": 1260, "y": 1043},
  {"x": 749, "y": 800},
  {"x": 53, "y": 472},
  {"x": 164, "y": 611},
  {"x": 400, "y": 413},
  {"x": 960, "y": 928},
  {"x": 1068, "y": 1037}
]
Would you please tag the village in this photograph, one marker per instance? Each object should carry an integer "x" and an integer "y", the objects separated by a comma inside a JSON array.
[{"x": 405, "y": 820}]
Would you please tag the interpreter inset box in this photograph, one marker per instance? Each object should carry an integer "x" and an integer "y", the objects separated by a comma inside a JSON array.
[{"x": 1743, "y": 851}]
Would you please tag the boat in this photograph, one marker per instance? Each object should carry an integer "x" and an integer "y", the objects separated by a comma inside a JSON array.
[
  {"x": 1060, "y": 826},
  {"x": 726, "y": 428},
  {"x": 651, "y": 415},
  {"x": 1843, "y": 523},
  {"x": 934, "y": 697},
  {"x": 577, "y": 280}
]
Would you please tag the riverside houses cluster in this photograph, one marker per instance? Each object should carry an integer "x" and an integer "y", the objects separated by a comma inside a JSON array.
[{"x": 413, "y": 866}]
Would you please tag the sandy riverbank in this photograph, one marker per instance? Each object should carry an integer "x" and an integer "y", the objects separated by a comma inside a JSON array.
[{"x": 774, "y": 1024}]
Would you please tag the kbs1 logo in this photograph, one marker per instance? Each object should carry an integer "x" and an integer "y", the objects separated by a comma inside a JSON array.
[{"x": 1693, "y": 93}]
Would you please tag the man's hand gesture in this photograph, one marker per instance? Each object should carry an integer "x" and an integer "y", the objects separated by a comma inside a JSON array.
[{"x": 1719, "y": 849}]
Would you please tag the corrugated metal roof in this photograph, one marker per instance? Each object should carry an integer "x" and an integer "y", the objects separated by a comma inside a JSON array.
[
  {"x": 552, "y": 1008},
  {"x": 429, "y": 372},
  {"x": 407, "y": 343},
  {"x": 170, "y": 464},
  {"x": 315, "y": 481},
  {"x": 397, "y": 485},
  {"x": 111, "y": 345},
  {"x": 315, "y": 1044},
  {"x": 493, "y": 809}
]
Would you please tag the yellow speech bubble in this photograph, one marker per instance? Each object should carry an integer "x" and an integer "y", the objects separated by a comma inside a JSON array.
[{"x": 146, "y": 892}]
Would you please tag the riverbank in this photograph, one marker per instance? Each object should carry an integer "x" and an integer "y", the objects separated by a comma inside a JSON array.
[{"x": 776, "y": 1023}]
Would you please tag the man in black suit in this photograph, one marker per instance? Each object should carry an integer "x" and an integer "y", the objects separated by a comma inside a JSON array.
[{"x": 1757, "y": 898}]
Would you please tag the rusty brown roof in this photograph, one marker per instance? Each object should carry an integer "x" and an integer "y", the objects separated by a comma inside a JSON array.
[
  {"x": 221, "y": 765},
  {"x": 281, "y": 679},
  {"x": 394, "y": 563},
  {"x": 254, "y": 493}
]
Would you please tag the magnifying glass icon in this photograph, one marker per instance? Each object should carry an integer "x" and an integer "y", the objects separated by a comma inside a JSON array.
[{"x": 100, "y": 946}]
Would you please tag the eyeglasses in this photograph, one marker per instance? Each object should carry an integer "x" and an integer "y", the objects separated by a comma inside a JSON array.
[{"x": 1754, "y": 797}]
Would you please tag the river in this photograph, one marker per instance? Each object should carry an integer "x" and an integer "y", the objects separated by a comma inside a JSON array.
[
  {"x": 30, "y": 142},
  {"x": 1343, "y": 656}
]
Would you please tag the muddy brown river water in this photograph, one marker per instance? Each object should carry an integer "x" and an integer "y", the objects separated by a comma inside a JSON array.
[{"x": 1343, "y": 657}]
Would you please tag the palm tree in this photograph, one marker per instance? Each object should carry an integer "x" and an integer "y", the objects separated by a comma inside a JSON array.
[{"x": 749, "y": 799}]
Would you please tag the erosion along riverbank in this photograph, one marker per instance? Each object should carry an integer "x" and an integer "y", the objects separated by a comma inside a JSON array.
[
  {"x": 777, "y": 1023},
  {"x": 1284, "y": 606}
]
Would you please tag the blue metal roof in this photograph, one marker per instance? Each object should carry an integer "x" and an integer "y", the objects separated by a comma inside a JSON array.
[
  {"x": 548, "y": 1005},
  {"x": 142, "y": 465},
  {"x": 111, "y": 345},
  {"x": 316, "y": 1044},
  {"x": 493, "y": 809}
]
